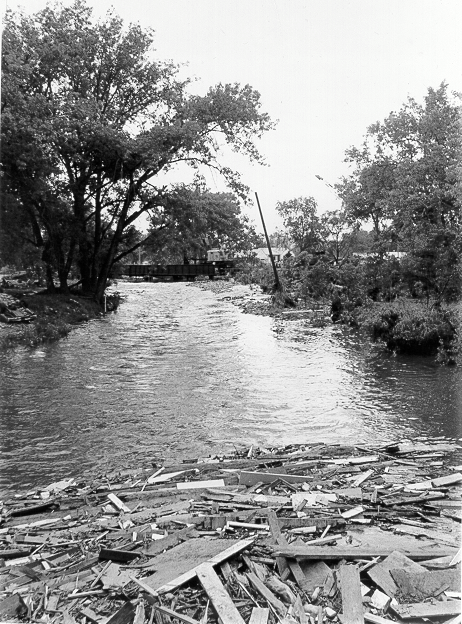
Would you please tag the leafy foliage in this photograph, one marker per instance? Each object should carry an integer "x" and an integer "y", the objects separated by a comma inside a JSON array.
[
  {"x": 405, "y": 183},
  {"x": 301, "y": 221},
  {"x": 411, "y": 327},
  {"x": 90, "y": 120},
  {"x": 192, "y": 220}
]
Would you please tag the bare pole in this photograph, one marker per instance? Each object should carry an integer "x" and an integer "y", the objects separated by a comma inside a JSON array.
[{"x": 276, "y": 276}]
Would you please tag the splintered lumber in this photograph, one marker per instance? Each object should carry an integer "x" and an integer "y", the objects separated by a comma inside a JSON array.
[
  {"x": 118, "y": 555},
  {"x": 174, "y": 614},
  {"x": 366, "y": 459},
  {"x": 317, "y": 574},
  {"x": 428, "y": 610},
  {"x": 379, "y": 600},
  {"x": 457, "y": 557},
  {"x": 351, "y": 513},
  {"x": 381, "y": 573},
  {"x": 178, "y": 565},
  {"x": 251, "y": 478},
  {"x": 321, "y": 522},
  {"x": 124, "y": 615},
  {"x": 13, "y": 606},
  {"x": 118, "y": 504},
  {"x": 362, "y": 477},
  {"x": 167, "y": 542},
  {"x": 114, "y": 576},
  {"x": 421, "y": 585},
  {"x": 438, "y": 536},
  {"x": 447, "y": 480},
  {"x": 279, "y": 538},
  {"x": 197, "y": 485},
  {"x": 334, "y": 553},
  {"x": 350, "y": 589},
  {"x": 267, "y": 594},
  {"x": 375, "y": 619},
  {"x": 219, "y": 597},
  {"x": 259, "y": 616}
]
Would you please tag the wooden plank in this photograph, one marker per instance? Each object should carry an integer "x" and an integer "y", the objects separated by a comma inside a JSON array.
[
  {"x": 350, "y": 588},
  {"x": 441, "y": 503},
  {"x": 114, "y": 576},
  {"x": 124, "y": 615},
  {"x": 178, "y": 565},
  {"x": 251, "y": 478},
  {"x": 376, "y": 619},
  {"x": 447, "y": 480},
  {"x": 381, "y": 575},
  {"x": 267, "y": 594},
  {"x": 278, "y": 538},
  {"x": 174, "y": 614},
  {"x": 169, "y": 541},
  {"x": 437, "y": 536},
  {"x": 259, "y": 616},
  {"x": 13, "y": 606},
  {"x": 414, "y": 586},
  {"x": 282, "y": 563},
  {"x": 118, "y": 555},
  {"x": 219, "y": 597},
  {"x": 362, "y": 477},
  {"x": 316, "y": 573},
  {"x": 197, "y": 485},
  {"x": 428, "y": 610},
  {"x": 319, "y": 521},
  {"x": 118, "y": 504},
  {"x": 334, "y": 553},
  {"x": 140, "y": 614},
  {"x": 351, "y": 513}
]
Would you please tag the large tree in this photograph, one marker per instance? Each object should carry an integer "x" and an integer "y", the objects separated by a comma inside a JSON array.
[
  {"x": 192, "y": 220},
  {"x": 301, "y": 222},
  {"x": 90, "y": 120},
  {"x": 404, "y": 182}
]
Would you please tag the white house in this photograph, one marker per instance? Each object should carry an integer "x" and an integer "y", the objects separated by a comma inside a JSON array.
[{"x": 279, "y": 253}]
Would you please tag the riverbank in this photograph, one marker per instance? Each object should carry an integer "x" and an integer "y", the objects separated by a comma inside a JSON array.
[
  {"x": 56, "y": 316},
  {"x": 301, "y": 533},
  {"x": 250, "y": 299}
]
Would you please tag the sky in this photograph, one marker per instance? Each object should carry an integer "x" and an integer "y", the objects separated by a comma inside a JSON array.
[{"x": 325, "y": 69}]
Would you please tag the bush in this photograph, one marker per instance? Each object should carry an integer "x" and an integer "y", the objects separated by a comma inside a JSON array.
[{"x": 413, "y": 327}]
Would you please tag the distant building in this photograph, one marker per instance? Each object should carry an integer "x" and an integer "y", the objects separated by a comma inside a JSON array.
[
  {"x": 389, "y": 254},
  {"x": 279, "y": 254}
]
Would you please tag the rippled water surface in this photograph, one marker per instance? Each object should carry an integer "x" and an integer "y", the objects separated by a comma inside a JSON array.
[{"x": 178, "y": 371}]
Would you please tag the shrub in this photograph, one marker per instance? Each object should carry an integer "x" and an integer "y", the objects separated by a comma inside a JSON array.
[{"x": 413, "y": 327}]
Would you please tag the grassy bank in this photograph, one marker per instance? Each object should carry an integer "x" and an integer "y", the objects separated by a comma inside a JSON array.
[{"x": 56, "y": 316}]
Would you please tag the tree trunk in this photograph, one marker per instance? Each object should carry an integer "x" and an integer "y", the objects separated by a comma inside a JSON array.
[
  {"x": 63, "y": 285},
  {"x": 84, "y": 256},
  {"x": 50, "y": 282}
]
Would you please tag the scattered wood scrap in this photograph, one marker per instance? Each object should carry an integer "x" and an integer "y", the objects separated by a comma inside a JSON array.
[{"x": 300, "y": 535}]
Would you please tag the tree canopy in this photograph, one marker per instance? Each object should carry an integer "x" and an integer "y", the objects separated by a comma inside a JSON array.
[
  {"x": 90, "y": 118},
  {"x": 405, "y": 182},
  {"x": 194, "y": 220},
  {"x": 301, "y": 221}
]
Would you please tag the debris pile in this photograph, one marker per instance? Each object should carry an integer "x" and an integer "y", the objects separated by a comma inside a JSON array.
[
  {"x": 13, "y": 311},
  {"x": 300, "y": 534}
]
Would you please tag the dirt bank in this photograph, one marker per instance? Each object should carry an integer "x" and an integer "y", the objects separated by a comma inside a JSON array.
[{"x": 56, "y": 315}]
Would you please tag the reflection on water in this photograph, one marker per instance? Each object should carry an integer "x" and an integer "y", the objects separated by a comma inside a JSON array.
[{"x": 178, "y": 372}]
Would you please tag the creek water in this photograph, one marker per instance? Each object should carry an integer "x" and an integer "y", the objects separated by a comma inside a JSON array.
[{"x": 181, "y": 372}]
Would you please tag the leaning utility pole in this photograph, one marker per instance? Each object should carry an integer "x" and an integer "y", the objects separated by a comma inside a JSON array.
[{"x": 277, "y": 284}]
